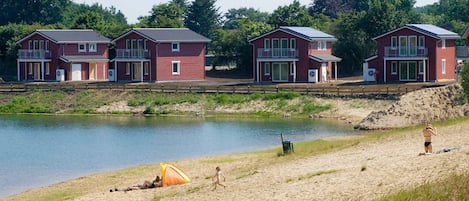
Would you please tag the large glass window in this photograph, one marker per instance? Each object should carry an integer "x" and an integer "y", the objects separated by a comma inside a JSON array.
[
  {"x": 402, "y": 46},
  {"x": 421, "y": 42},
  {"x": 412, "y": 45}
]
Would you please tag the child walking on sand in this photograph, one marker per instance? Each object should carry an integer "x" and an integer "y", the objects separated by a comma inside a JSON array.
[
  {"x": 428, "y": 131},
  {"x": 218, "y": 175}
]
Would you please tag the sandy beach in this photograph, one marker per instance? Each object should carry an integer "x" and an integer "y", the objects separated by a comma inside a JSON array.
[{"x": 362, "y": 172}]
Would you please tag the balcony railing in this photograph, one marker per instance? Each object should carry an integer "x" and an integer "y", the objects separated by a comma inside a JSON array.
[
  {"x": 34, "y": 54},
  {"x": 132, "y": 54},
  {"x": 277, "y": 53},
  {"x": 462, "y": 52},
  {"x": 405, "y": 52}
]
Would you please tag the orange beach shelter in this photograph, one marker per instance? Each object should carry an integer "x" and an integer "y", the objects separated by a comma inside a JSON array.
[{"x": 172, "y": 175}]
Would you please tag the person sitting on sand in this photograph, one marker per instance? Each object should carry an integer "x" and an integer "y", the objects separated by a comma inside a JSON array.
[
  {"x": 147, "y": 184},
  {"x": 217, "y": 177},
  {"x": 428, "y": 131}
]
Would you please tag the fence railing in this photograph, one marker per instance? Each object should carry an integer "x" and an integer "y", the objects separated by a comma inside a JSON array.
[{"x": 244, "y": 89}]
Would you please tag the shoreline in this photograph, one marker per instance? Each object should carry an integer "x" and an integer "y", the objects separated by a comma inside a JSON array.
[{"x": 362, "y": 172}]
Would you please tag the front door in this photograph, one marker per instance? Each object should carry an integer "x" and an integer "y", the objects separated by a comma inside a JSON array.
[
  {"x": 93, "y": 67},
  {"x": 408, "y": 71},
  {"x": 280, "y": 72},
  {"x": 136, "y": 71},
  {"x": 76, "y": 72},
  {"x": 37, "y": 71}
]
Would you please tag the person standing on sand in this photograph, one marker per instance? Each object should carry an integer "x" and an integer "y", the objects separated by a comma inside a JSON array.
[
  {"x": 217, "y": 177},
  {"x": 428, "y": 131}
]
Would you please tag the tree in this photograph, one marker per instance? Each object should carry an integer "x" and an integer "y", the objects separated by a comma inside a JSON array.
[
  {"x": 332, "y": 8},
  {"x": 234, "y": 16},
  {"x": 167, "y": 15},
  {"x": 31, "y": 11},
  {"x": 465, "y": 79},
  {"x": 203, "y": 17},
  {"x": 291, "y": 15}
]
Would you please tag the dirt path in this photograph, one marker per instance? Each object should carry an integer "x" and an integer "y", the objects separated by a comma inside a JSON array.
[{"x": 363, "y": 172}]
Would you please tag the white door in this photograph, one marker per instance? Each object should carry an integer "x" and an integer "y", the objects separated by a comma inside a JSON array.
[
  {"x": 76, "y": 71},
  {"x": 324, "y": 72}
]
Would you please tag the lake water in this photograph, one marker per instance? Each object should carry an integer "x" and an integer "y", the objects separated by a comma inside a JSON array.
[{"x": 39, "y": 150}]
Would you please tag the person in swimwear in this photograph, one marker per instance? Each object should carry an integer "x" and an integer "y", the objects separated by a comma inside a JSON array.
[
  {"x": 217, "y": 177},
  {"x": 428, "y": 131},
  {"x": 146, "y": 185}
]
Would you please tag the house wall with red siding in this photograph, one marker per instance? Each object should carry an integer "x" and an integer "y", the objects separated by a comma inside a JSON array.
[{"x": 191, "y": 57}]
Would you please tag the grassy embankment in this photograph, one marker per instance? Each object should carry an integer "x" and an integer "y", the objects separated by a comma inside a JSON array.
[{"x": 86, "y": 102}]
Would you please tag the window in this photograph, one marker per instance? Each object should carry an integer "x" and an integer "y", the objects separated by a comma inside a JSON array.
[
  {"x": 394, "y": 68},
  {"x": 92, "y": 47},
  {"x": 41, "y": 45},
  {"x": 402, "y": 45},
  {"x": 145, "y": 68},
  {"x": 47, "y": 68},
  {"x": 292, "y": 43},
  {"x": 30, "y": 45},
  {"x": 394, "y": 42},
  {"x": 412, "y": 45},
  {"x": 292, "y": 69},
  {"x": 127, "y": 68},
  {"x": 175, "y": 47},
  {"x": 36, "y": 45},
  {"x": 421, "y": 42},
  {"x": 47, "y": 46},
  {"x": 176, "y": 67},
  {"x": 267, "y": 69},
  {"x": 145, "y": 45},
  {"x": 266, "y": 43},
  {"x": 421, "y": 68},
  {"x": 30, "y": 69},
  {"x": 443, "y": 43},
  {"x": 127, "y": 44},
  {"x": 322, "y": 45},
  {"x": 134, "y": 44},
  {"x": 81, "y": 48},
  {"x": 443, "y": 66}
]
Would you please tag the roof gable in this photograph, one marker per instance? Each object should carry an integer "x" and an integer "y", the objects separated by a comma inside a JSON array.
[
  {"x": 70, "y": 36},
  {"x": 427, "y": 29},
  {"x": 306, "y": 33},
  {"x": 167, "y": 35}
]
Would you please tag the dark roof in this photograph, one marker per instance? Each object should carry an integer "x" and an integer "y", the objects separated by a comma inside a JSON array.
[
  {"x": 324, "y": 57},
  {"x": 70, "y": 36},
  {"x": 168, "y": 35},
  {"x": 306, "y": 33},
  {"x": 427, "y": 29},
  {"x": 84, "y": 58}
]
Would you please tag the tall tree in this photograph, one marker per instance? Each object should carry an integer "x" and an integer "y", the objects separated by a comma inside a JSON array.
[
  {"x": 167, "y": 15},
  {"x": 291, "y": 15},
  {"x": 30, "y": 11},
  {"x": 234, "y": 16},
  {"x": 203, "y": 17},
  {"x": 333, "y": 8}
]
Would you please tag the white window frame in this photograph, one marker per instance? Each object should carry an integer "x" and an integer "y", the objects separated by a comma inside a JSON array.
[
  {"x": 177, "y": 49},
  {"x": 403, "y": 48},
  {"x": 47, "y": 46},
  {"x": 421, "y": 68},
  {"x": 47, "y": 68},
  {"x": 30, "y": 45},
  {"x": 322, "y": 45},
  {"x": 127, "y": 68},
  {"x": 394, "y": 42},
  {"x": 394, "y": 68},
  {"x": 443, "y": 43},
  {"x": 266, "y": 68},
  {"x": 421, "y": 42},
  {"x": 443, "y": 66},
  {"x": 127, "y": 44},
  {"x": 267, "y": 44},
  {"x": 146, "y": 68},
  {"x": 92, "y": 47},
  {"x": 292, "y": 69},
  {"x": 145, "y": 45},
  {"x": 81, "y": 49},
  {"x": 178, "y": 67},
  {"x": 292, "y": 43}
]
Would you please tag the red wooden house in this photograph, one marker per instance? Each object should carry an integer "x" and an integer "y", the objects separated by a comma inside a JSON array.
[
  {"x": 294, "y": 54},
  {"x": 59, "y": 55},
  {"x": 415, "y": 52},
  {"x": 160, "y": 54}
]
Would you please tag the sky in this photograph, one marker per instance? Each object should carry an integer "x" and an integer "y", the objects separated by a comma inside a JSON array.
[{"x": 132, "y": 9}]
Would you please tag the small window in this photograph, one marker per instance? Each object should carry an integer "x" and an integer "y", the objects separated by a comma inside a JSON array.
[
  {"x": 92, "y": 47},
  {"x": 127, "y": 69},
  {"x": 322, "y": 45},
  {"x": 443, "y": 66},
  {"x": 176, "y": 67},
  {"x": 292, "y": 69},
  {"x": 443, "y": 43},
  {"x": 266, "y": 43},
  {"x": 47, "y": 46},
  {"x": 394, "y": 68},
  {"x": 394, "y": 42},
  {"x": 267, "y": 69},
  {"x": 292, "y": 43},
  {"x": 81, "y": 48},
  {"x": 47, "y": 69},
  {"x": 421, "y": 42},
  {"x": 145, "y": 45},
  {"x": 175, "y": 47},
  {"x": 145, "y": 68},
  {"x": 421, "y": 68}
]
